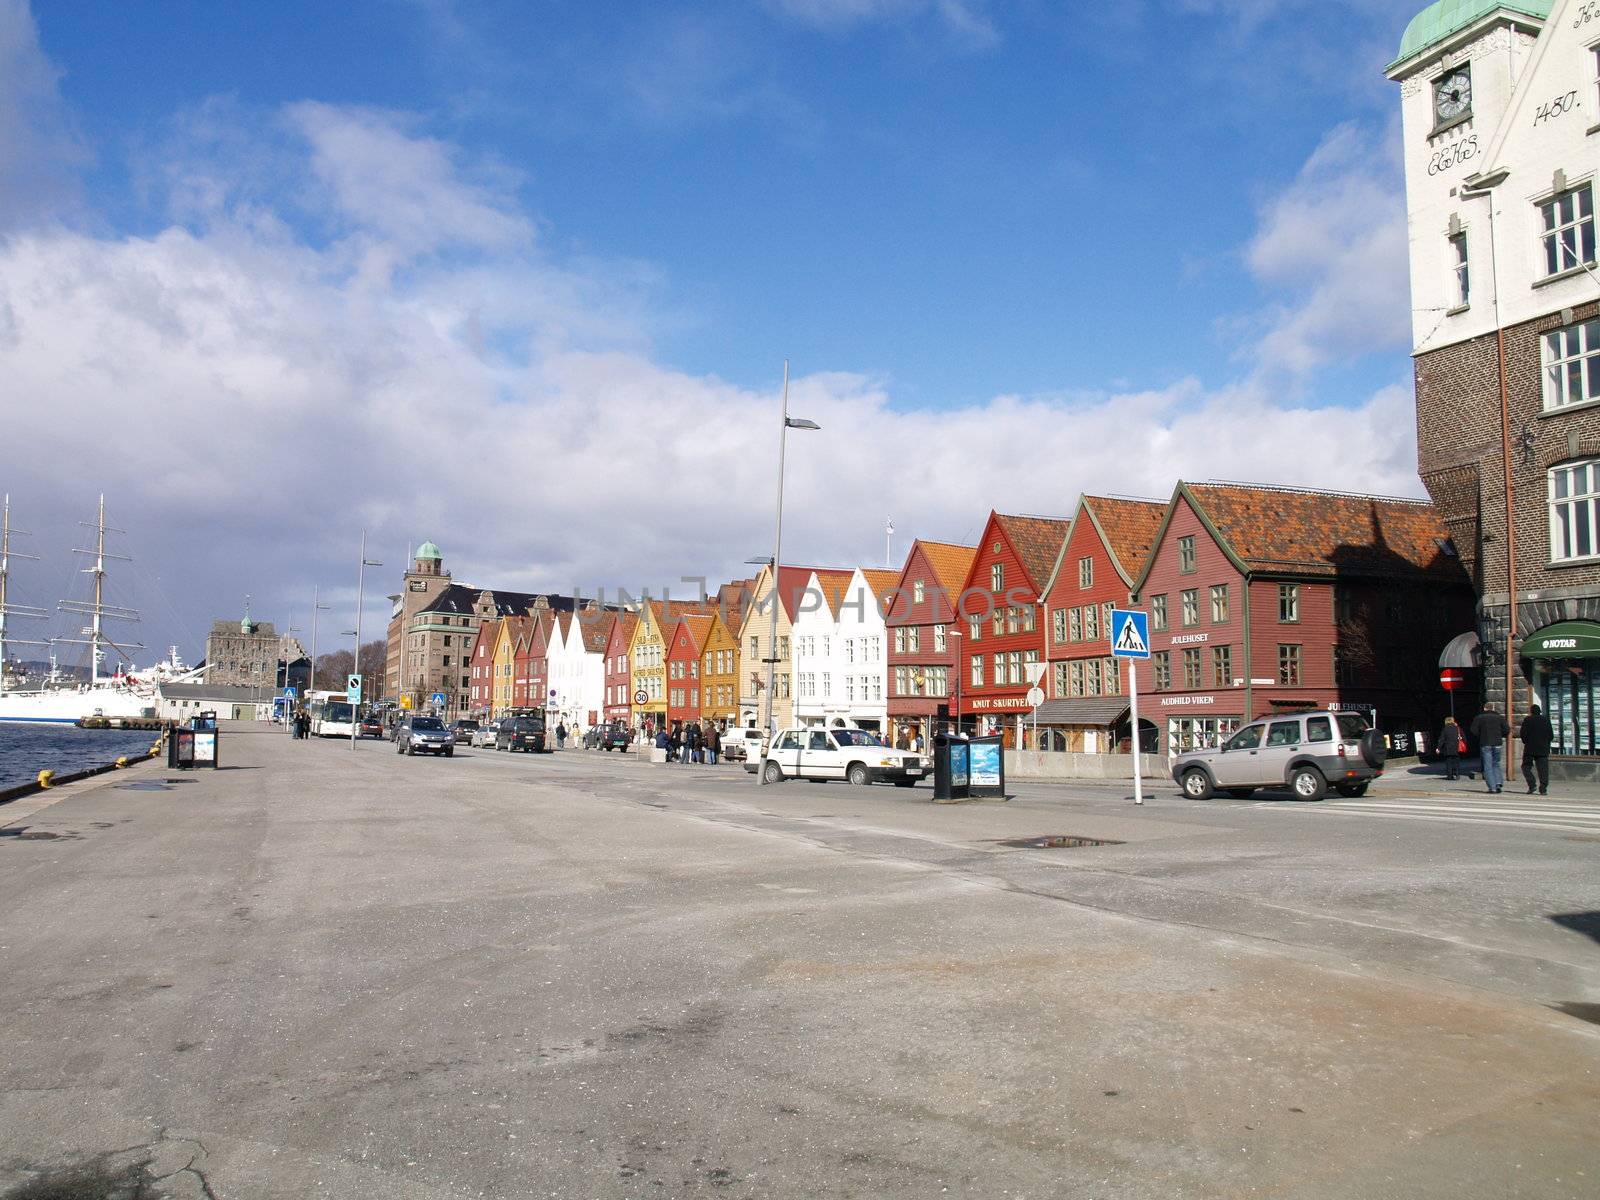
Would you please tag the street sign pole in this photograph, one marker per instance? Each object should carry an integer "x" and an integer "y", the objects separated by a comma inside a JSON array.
[
  {"x": 1133, "y": 711},
  {"x": 1130, "y": 639}
]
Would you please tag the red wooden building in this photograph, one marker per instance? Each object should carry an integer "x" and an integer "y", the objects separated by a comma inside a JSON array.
[
  {"x": 1001, "y": 609},
  {"x": 1103, "y": 555},
  {"x": 685, "y": 643},
  {"x": 1267, "y": 599},
  {"x": 480, "y": 678},
  {"x": 619, "y": 669},
  {"x": 520, "y": 630},
  {"x": 920, "y": 615}
]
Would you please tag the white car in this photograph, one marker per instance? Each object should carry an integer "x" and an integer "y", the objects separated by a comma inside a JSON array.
[
  {"x": 741, "y": 745},
  {"x": 856, "y": 756},
  {"x": 483, "y": 736}
]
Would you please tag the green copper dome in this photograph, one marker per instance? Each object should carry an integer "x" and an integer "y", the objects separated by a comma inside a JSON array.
[
  {"x": 1444, "y": 17},
  {"x": 429, "y": 550}
]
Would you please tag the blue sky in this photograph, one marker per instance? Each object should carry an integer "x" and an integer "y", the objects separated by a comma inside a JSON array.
[{"x": 1169, "y": 232}]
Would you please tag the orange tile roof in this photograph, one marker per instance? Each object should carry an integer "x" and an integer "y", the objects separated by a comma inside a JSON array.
[
  {"x": 1130, "y": 527},
  {"x": 950, "y": 563},
  {"x": 629, "y": 622},
  {"x": 596, "y": 629},
  {"x": 880, "y": 580},
  {"x": 699, "y": 628},
  {"x": 1038, "y": 543},
  {"x": 1324, "y": 533}
]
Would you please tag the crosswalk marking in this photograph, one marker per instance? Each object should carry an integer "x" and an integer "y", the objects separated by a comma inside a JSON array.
[{"x": 1560, "y": 818}]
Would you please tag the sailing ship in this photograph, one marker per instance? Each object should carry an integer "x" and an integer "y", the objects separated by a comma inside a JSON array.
[{"x": 53, "y": 702}]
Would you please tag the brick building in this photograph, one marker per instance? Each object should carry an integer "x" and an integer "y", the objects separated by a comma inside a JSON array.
[
  {"x": 420, "y": 586},
  {"x": 924, "y": 637},
  {"x": 1104, "y": 553},
  {"x": 1001, "y": 609},
  {"x": 1501, "y": 107},
  {"x": 1267, "y": 599}
]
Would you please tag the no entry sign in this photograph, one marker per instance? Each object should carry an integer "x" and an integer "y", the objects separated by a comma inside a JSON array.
[{"x": 1450, "y": 679}]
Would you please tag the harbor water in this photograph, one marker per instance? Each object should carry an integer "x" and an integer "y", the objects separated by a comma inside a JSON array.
[{"x": 25, "y": 750}]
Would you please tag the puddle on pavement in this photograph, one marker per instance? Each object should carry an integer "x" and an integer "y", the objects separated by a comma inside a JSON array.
[
  {"x": 143, "y": 785},
  {"x": 1059, "y": 841}
]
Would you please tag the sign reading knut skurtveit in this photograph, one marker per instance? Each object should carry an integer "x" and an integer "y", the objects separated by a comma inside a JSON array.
[{"x": 1130, "y": 639}]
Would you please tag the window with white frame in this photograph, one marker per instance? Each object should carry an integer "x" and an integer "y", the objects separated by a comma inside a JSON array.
[
  {"x": 902, "y": 681},
  {"x": 938, "y": 681},
  {"x": 918, "y": 591},
  {"x": 977, "y": 670},
  {"x": 1566, "y": 230},
  {"x": 1571, "y": 365},
  {"x": 1086, "y": 572},
  {"x": 1460, "y": 275},
  {"x": 1575, "y": 511},
  {"x": 913, "y": 640},
  {"x": 1091, "y": 623},
  {"x": 939, "y": 642},
  {"x": 1062, "y": 674},
  {"x": 997, "y": 578},
  {"x": 1058, "y": 621}
]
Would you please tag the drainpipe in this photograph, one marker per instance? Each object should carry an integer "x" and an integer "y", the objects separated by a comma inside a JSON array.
[{"x": 1249, "y": 660}]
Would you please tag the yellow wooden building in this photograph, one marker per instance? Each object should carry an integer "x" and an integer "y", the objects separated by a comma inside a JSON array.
[
  {"x": 505, "y": 645},
  {"x": 719, "y": 674}
]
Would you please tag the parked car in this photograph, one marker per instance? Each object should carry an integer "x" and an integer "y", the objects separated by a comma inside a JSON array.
[
  {"x": 483, "y": 736},
  {"x": 370, "y": 725},
  {"x": 463, "y": 728},
  {"x": 741, "y": 745},
  {"x": 521, "y": 733},
  {"x": 425, "y": 735},
  {"x": 1308, "y": 752},
  {"x": 615, "y": 736},
  {"x": 856, "y": 756}
]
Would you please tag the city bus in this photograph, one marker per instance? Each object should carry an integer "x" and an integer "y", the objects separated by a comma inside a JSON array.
[{"x": 332, "y": 714}]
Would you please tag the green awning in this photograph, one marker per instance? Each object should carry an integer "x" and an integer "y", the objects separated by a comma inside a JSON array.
[{"x": 1564, "y": 639}]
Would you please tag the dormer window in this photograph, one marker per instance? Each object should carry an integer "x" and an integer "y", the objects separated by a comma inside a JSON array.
[{"x": 1452, "y": 97}]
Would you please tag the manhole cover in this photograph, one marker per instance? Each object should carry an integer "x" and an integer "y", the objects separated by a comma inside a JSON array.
[{"x": 1059, "y": 841}]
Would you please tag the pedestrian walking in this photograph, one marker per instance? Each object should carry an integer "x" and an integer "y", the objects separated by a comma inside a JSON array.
[
  {"x": 561, "y": 735},
  {"x": 675, "y": 742},
  {"x": 713, "y": 745},
  {"x": 693, "y": 737},
  {"x": 1452, "y": 744},
  {"x": 1536, "y": 735},
  {"x": 1491, "y": 730}
]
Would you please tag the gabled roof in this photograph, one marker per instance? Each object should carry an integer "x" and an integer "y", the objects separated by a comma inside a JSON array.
[
  {"x": 596, "y": 629},
  {"x": 950, "y": 563},
  {"x": 1298, "y": 532},
  {"x": 698, "y": 627},
  {"x": 1037, "y": 541},
  {"x": 793, "y": 581},
  {"x": 665, "y": 613},
  {"x": 623, "y": 628},
  {"x": 1128, "y": 528},
  {"x": 487, "y": 633}
]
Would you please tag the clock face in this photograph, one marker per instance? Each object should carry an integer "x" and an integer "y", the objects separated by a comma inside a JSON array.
[{"x": 1452, "y": 95}]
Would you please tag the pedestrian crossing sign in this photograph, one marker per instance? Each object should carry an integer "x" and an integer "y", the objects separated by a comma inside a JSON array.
[{"x": 1130, "y": 633}]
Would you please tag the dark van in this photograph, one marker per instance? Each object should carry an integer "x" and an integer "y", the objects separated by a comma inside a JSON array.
[{"x": 521, "y": 733}]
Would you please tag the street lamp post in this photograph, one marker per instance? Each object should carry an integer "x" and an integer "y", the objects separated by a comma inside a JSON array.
[
  {"x": 361, "y": 579},
  {"x": 956, "y": 670},
  {"x": 288, "y": 709},
  {"x": 316, "y": 607},
  {"x": 786, "y": 424}
]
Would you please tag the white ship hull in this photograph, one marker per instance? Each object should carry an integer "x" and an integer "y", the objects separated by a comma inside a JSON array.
[{"x": 65, "y": 706}]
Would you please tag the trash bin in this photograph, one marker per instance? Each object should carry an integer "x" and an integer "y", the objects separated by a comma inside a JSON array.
[
  {"x": 951, "y": 766},
  {"x": 196, "y": 744}
]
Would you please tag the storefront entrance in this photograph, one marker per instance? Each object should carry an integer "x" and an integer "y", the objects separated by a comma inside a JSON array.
[{"x": 1563, "y": 664}]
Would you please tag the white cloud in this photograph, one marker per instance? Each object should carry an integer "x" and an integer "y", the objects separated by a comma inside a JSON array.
[
  {"x": 1335, "y": 240},
  {"x": 249, "y": 398},
  {"x": 39, "y": 149},
  {"x": 963, "y": 20}
]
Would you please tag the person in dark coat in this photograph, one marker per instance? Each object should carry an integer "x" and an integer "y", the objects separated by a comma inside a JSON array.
[
  {"x": 675, "y": 750},
  {"x": 1450, "y": 743},
  {"x": 1491, "y": 730},
  {"x": 713, "y": 744},
  {"x": 561, "y": 735},
  {"x": 1536, "y": 735}
]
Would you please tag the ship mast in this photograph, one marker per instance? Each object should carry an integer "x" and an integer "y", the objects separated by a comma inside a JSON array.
[
  {"x": 99, "y": 610},
  {"x": 8, "y": 609}
]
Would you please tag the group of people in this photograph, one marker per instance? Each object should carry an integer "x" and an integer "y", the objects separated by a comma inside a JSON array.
[
  {"x": 691, "y": 743},
  {"x": 909, "y": 739},
  {"x": 300, "y": 723},
  {"x": 1490, "y": 729}
]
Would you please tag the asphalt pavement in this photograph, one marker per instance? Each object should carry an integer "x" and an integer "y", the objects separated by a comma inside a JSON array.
[{"x": 326, "y": 971}]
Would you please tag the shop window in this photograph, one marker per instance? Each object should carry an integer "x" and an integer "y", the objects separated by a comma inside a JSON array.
[
  {"x": 1574, "y": 510},
  {"x": 1571, "y": 359}
]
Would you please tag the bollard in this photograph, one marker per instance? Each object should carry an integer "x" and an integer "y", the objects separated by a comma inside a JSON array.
[
  {"x": 46, "y": 777},
  {"x": 121, "y": 762}
]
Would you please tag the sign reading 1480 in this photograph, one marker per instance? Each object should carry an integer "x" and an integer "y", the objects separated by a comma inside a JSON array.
[{"x": 1556, "y": 107}]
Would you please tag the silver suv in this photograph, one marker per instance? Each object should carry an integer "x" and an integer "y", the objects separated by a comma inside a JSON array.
[{"x": 1308, "y": 752}]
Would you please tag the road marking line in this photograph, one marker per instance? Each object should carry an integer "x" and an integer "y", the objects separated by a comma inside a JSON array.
[
  {"x": 1474, "y": 810},
  {"x": 1411, "y": 816}
]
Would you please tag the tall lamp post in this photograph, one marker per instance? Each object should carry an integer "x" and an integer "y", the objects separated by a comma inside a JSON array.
[
  {"x": 316, "y": 607},
  {"x": 288, "y": 709},
  {"x": 361, "y": 580},
  {"x": 956, "y": 670},
  {"x": 786, "y": 424}
]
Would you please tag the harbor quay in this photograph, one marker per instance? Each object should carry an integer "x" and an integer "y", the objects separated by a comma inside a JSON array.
[{"x": 329, "y": 970}]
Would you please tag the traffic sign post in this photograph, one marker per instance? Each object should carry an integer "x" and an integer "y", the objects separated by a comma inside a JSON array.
[
  {"x": 1130, "y": 639},
  {"x": 438, "y": 700},
  {"x": 1450, "y": 679},
  {"x": 352, "y": 689}
]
